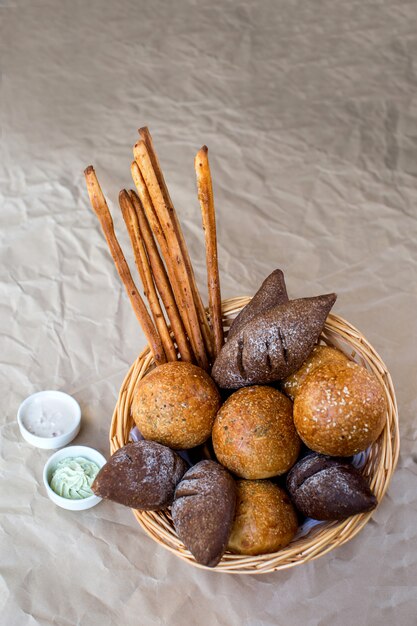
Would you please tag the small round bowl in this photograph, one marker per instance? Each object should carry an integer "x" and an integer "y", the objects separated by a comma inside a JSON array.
[
  {"x": 50, "y": 402},
  {"x": 72, "y": 451}
]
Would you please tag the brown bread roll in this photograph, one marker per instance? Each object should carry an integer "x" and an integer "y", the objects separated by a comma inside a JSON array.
[
  {"x": 175, "y": 405},
  {"x": 141, "y": 475},
  {"x": 272, "y": 345},
  {"x": 265, "y": 520},
  {"x": 271, "y": 293},
  {"x": 328, "y": 488},
  {"x": 318, "y": 356},
  {"x": 340, "y": 409},
  {"x": 254, "y": 434},
  {"x": 203, "y": 511}
]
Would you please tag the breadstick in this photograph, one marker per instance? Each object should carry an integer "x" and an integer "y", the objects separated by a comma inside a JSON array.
[
  {"x": 142, "y": 263},
  {"x": 99, "y": 205},
  {"x": 158, "y": 232},
  {"x": 161, "y": 280},
  {"x": 145, "y": 165},
  {"x": 205, "y": 196},
  {"x": 205, "y": 328}
]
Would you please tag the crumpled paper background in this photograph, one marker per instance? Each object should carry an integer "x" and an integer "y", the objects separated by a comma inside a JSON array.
[{"x": 310, "y": 114}]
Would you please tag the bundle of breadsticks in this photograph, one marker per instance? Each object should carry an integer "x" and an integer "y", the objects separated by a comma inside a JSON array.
[{"x": 176, "y": 325}]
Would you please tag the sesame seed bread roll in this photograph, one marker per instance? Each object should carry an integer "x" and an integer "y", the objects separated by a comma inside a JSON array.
[
  {"x": 319, "y": 356},
  {"x": 340, "y": 409}
]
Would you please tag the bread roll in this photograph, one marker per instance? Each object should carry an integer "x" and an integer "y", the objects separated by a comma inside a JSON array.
[
  {"x": 328, "y": 488},
  {"x": 141, "y": 475},
  {"x": 319, "y": 356},
  {"x": 254, "y": 434},
  {"x": 340, "y": 409},
  {"x": 271, "y": 293},
  {"x": 273, "y": 344},
  {"x": 265, "y": 520},
  {"x": 203, "y": 511},
  {"x": 175, "y": 405}
]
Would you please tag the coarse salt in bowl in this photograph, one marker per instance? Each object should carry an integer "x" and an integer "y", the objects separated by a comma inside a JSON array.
[{"x": 49, "y": 419}]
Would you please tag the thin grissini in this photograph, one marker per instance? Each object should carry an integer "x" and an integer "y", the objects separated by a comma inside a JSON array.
[
  {"x": 142, "y": 263},
  {"x": 99, "y": 205},
  {"x": 144, "y": 162},
  {"x": 205, "y": 196},
  {"x": 156, "y": 229},
  {"x": 204, "y": 325},
  {"x": 161, "y": 280}
]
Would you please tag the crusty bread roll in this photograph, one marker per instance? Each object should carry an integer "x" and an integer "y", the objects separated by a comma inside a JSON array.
[
  {"x": 340, "y": 409},
  {"x": 254, "y": 434},
  {"x": 175, "y": 405},
  {"x": 265, "y": 520},
  {"x": 318, "y": 356}
]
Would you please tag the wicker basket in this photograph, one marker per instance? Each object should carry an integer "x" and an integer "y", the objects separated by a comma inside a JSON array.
[{"x": 379, "y": 466}]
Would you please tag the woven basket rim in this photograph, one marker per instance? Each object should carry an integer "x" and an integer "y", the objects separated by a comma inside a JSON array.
[{"x": 379, "y": 467}]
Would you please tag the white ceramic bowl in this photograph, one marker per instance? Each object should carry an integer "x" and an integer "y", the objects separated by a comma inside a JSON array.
[
  {"x": 71, "y": 451},
  {"x": 50, "y": 402}
]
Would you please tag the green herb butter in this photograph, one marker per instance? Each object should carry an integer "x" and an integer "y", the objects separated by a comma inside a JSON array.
[{"x": 73, "y": 477}]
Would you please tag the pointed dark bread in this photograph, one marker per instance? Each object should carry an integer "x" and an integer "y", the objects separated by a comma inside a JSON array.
[
  {"x": 271, "y": 293},
  {"x": 203, "y": 511},
  {"x": 273, "y": 344},
  {"x": 141, "y": 475},
  {"x": 328, "y": 488}
]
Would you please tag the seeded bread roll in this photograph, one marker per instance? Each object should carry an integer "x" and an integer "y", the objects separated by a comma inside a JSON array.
[
  {"x": 141, "y": 475},
  {"x": 254, "y": 434},
  {"x": 340, "y": 409},
  {"x": 319, "y": 356},
  {"x": 265, "y": 519},
  {"x": 272, "y": 345},
  {"x": 271, "y": 293},
  {"x": 328, "y": 488},
  {"x": 203, "y": 511},
  {"x": 175, "y": 405}
]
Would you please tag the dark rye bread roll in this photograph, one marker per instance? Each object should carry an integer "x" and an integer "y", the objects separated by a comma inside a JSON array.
[
  {"x": 273, "y": 344},
  {"x": 203, "y": 511},
  {"x": 141, "y": 475},
  {"x": 328, "y": 488},
  {"x": 271, "y": 293}
]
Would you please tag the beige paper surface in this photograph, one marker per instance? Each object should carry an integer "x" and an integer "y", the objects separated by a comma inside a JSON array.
[{"x": 310, "y": 114}]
